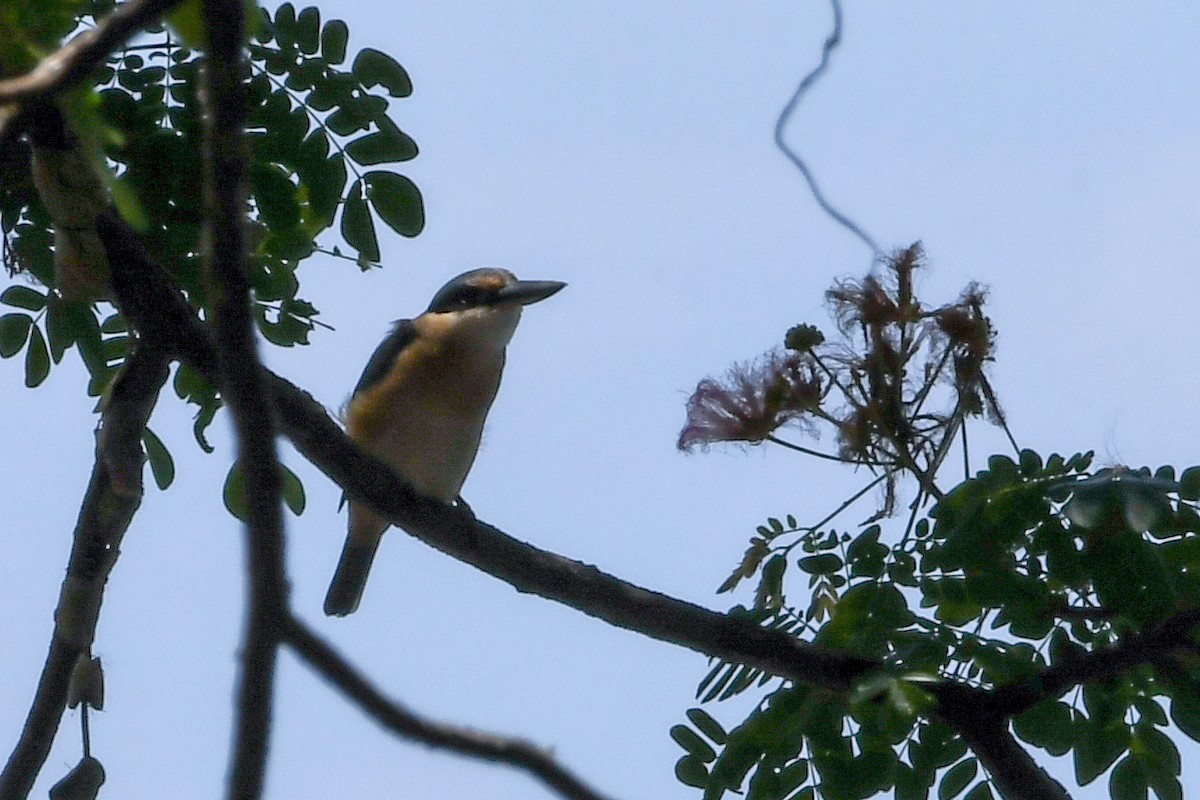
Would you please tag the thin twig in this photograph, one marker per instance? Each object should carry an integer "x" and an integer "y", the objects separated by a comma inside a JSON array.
[
  {"x": 225, "y": 192},
  {"x": 773, "y": 439},
  {"x": 831, "y": 43},
  {"x": 72, "y": 63},
  {"x": 966, "y": 455},
  {"x": 113, "y": 495},
  {"x": 85, "y": 730},
  {"x": 990, "y": 395},
  {"x": 465, "y": 741}
]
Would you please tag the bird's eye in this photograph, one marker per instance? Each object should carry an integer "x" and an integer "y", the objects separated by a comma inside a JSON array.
[
  {"x": 458, "y": 297},
  {"x": 469, "y": 297}
]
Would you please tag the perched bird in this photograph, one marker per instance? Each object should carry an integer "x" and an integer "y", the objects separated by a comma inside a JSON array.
[{"x": 422, "y": 400}]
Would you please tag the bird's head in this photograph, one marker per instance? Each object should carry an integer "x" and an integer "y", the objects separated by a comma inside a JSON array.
[{"x": 486, "y": 303}]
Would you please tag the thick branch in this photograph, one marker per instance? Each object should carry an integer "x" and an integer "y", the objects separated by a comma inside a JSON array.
[
  {"x": 465, "y": 741},
  {"x": 72, "y": 63},
  {"x": 528, "y": 569},
  {"x": 153, "y": 304},
  {"x": 225, "y": 157},
  {"x": 113, "y": 495},
  {"x": 1150, "y": 647},
  {"x": 1013, "y": 770}
]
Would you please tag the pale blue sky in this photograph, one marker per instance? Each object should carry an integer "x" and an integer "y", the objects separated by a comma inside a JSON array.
[{"x": 1048, "y": 151}]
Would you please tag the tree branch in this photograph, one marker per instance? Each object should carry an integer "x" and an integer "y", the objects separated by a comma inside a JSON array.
[
  {"x": 465, "y": 741},
  {"x": 1013, "y": 771},
  {"x": 154, "y": 305},
  {"x": 1149, "y": 647},
  {"x": 456, "y": 532},
  {"x": 113, "y": 495},
  {"x": 73, "y": 62},
  {"x": 223, "y": 95}
]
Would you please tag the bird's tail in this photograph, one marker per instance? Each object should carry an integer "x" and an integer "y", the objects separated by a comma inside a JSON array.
[{"x": 350, "y": 579}]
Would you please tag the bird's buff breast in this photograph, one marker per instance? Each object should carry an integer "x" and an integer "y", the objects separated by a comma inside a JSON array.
[{"x": 425, "y": 418}]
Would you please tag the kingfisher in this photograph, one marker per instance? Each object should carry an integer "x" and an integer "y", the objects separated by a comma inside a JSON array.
[{"x": 422, "y": 400}]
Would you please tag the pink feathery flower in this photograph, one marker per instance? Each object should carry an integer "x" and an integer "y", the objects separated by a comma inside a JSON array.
[{"x": 752, "y": 401}]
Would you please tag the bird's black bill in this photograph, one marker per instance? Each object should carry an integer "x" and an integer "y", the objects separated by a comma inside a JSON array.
[{"x": 526, "y": 292}]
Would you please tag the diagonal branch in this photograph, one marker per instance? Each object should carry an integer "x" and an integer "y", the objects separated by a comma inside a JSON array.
[
  {"x": 223, "y": 96},
  {"x": 1152, "y": 646},
  {"x": 113, "y": 495},
  {"x": 453, "y": 530},
  {"x": 72, "y": 63},
  {"x": 153, "y": 304},
  {"x": 456, "y": 532},
  {"x": 1012, "y": 769},
  {"x": 465, "y": 741}
]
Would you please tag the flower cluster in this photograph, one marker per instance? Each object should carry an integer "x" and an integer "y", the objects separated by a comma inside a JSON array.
[{"x": 752, "y": 401}]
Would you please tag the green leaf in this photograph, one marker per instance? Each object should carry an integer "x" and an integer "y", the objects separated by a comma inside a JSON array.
[
  {"x": 1189, "y": 484},
  {"x": 686, "y": 738},
  {"x": 1098, "y": 748},
  {"x": 770, "y": 586},
  {"x": 23, "y": 297},
  {"x": 982, "y": 791},
  {"x": 14, "y": 332},
  {"x": 188, "y": 23},
  {"x": 375, "y": 68},
  {"x": 1185, "y": 713},
  {"x": 691, "y": 772},
  {"x": 912, "y": 784},
  {"x": 718, "y": 686},
  {"x": 707, "y": 725},
  {"x": 1047, "y": 725},
  {"x": 1128, "y": 780},
  {"x": 1080, "y": 461},
  {"x": 162, "y": 466},
  {"x": 1031, "y": 466},
  {"x": 742, "y": 679},
  {"x": 824, "y": 564},
  {"x": 1167, "y": 787},
  {"x": 793, "y": 776},
  {"x": 397, "y": 201},
  {"x": 308, "y": 28},
  {"x": 957, "y": 778},
  {"x": 382, "y": 146},
  {"x": 234, "y": 493},
  {"x": 1156, "y": 750},
  {"x": 939, "y": 746},
  {"x": 357, "y": 228},
  {"x": 58, "y": 330},
  {"x": 37, "y": 359},
  {"x": 293, "y": 491},
  {"x": 128, "y": 205},
  {"x": 333, "y": 41},
  {"x": 114, "y": 323},
  {"x": 204, "y": 418},
  {"x": 275, "y": 195},
  {"x": 764, "y": 784}
]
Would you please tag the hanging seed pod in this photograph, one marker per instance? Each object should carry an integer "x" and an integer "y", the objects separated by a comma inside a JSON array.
[
  {"x": 87, "y": 683},
  {"x": 81, "y": 783}
]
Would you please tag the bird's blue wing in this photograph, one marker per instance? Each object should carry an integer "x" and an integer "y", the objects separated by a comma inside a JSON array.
[{"x": 402, "y": 334}]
